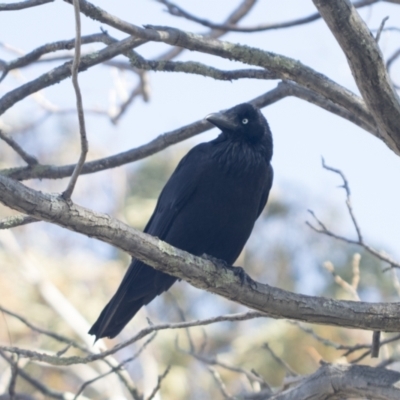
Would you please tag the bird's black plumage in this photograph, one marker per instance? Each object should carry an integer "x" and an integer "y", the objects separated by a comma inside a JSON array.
[{"x": 208, "y": 206}]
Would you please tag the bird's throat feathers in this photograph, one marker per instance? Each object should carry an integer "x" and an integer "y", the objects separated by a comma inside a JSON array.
[{"x": 243, "y": 155}]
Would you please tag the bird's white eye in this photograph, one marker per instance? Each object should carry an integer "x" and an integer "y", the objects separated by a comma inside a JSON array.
[{"x": 245, "y": 121}]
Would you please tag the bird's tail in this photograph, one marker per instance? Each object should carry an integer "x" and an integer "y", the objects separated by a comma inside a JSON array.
[{"x": 141, "y": 284}]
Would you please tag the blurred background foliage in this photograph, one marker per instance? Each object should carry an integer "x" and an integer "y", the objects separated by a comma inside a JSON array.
[{"x": 41, "y": 262}]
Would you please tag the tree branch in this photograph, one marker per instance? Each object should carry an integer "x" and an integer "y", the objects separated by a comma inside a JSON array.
[
  {"x": 367, "y": 65},
  {"x": 64, "y": 71},
  {"x": 18, "y": 220},
  {"x": 199, "y": 272},
  {"x": 177, "y": 11},
  {"x": 165, "y": 140},
  {"x": 30, "y": 160},
  {"x": 23, "y": 4},
  {"x": 284, "y": 67},
  {"x": 35, "y": 54},
  {"x": 338, "y": 381},
  {"x": 79, "y": 105}
]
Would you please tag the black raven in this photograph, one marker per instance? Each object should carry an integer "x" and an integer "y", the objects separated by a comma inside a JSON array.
[{"x": 208, "y": 206}]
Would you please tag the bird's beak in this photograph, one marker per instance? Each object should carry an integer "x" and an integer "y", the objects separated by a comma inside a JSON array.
[{"x": 221, "y": 121}]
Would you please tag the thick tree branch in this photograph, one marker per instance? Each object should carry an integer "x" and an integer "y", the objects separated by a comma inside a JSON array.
[
  {"x": 199, "y": 272},
  {"x": 337, "y": 381},
  {"x": 367, "y": 65},
  {"x": 23, "y": 4}
]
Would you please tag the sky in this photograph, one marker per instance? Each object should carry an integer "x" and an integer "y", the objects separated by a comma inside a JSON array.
[{"x": 303, "y": 133}]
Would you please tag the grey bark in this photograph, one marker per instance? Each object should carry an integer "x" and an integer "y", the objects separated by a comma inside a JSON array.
[{"x": 201, "y": 273}]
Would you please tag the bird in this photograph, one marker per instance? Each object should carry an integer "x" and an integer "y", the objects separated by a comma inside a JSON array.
[{"x": 207, "y": 207}]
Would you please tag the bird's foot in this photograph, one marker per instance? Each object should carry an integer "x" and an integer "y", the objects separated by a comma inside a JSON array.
[
  {"x": 243, "y": 276},
  {"x": 237, "y": 271},
  {"x": 216, "y": 261}
]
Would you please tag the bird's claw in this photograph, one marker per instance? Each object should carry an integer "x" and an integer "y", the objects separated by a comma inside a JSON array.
[
  {"x": 237, "y": 271},
  {"x": 243, "y": 276},
  {"x": 216, "y": 261}
]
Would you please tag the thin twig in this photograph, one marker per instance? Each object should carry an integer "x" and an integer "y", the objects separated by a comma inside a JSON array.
[
  {"x": 50, "y": 359},
  {"x": 240, "y": 12},
  {"x": 213, "y": 361},
  {"x": 324, "y": 341},
  {"x": 34, "y": 382},
  {"x": 381, "y": 26},
  {"x": 117, "y": 367},
  {"x": 177, "y": 11},
  {"x": 53, "y": 335},
  {"x": 360, "y": 241},
  {"x": 13, "y": 380},
  {"x": 30, "y": 160},
  {"x": 79, "y": 104},
  {"x": 280, "y": 361},
  {"x": 340, "y": 281},
  {"x": 220, "y": 384},
  {"x": 348, "y": 201},
  {"x": 159, "y": 381}
]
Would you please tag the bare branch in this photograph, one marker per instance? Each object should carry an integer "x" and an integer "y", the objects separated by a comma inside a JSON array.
[
  {"x": 64, "y": 71},
  {"x": 159, "y": 381},
  {"x": 360, "y": 241},
  {"x": 79, "y": 104},
  {"x": 34, "y": 382},
  {"x": 23, "y": 4},
  {"x": 18, "y": 220},
  {"x": 380, "y": 29},
  {"x": 115, "y": 368},
  {"x": 210, "y": 360},
  {"x": 49, "y": 358},
  {"x": 34, "y": 55},
  {"x": 165, "y": 140},
  {"x": 348, "y": 200},
  {"x": 341, "y": 282},
  {"x": 367, "y": 65},
  {"x": 199, "y": 272},
  {"x": 53, "y": 335},
  {"x": 324, "y": 341},
  {"x": 339, "y": 381},
  {"x": 177, "y": 11},
  {"x": 286, "y": 68},
  {"x": 221, "y": 384},
  {"x": 279, "y": 360},
  {"x": 241, "y": 11},
  {"x": 30, "y": 160}
]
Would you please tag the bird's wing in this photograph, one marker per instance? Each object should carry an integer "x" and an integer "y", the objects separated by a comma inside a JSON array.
[
  {"x": 176, "y": 193},
  {"x": 267, "y": 188}
]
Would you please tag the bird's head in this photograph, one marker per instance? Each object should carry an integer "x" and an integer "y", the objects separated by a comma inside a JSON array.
[{"x": 242, "y": 122}]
